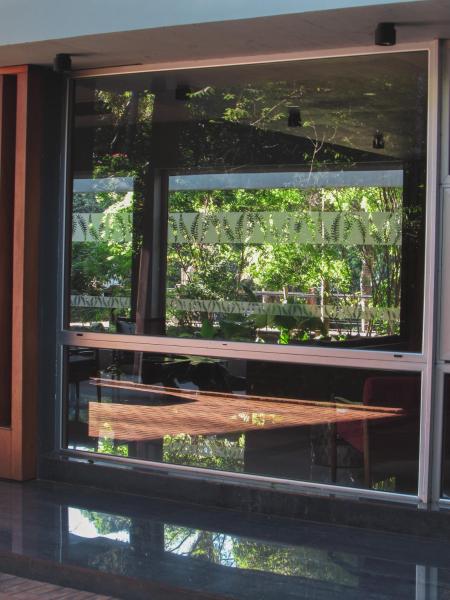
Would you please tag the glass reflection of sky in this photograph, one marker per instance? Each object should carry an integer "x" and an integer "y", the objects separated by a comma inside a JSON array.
[{"x": 83, "y": 524}]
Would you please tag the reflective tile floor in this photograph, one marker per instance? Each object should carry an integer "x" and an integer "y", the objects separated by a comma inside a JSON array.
[
  {"x": 133, "y": 547},
  {"x": 18, "y": 588}
]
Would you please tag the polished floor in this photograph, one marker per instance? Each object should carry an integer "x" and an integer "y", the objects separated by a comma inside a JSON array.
[
  {"x": 19, "y": 588},
  {"x": 133, "y": 548}
]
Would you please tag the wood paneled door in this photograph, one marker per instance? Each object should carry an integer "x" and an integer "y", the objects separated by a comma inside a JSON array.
[{"x": 20, "y": 174}]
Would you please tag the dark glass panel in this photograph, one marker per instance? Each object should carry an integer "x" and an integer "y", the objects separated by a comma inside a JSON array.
[
  {"x": 266, "y": 203},
  {"x": 352, "y": 427},
  {"x": 446, "y": 441}
]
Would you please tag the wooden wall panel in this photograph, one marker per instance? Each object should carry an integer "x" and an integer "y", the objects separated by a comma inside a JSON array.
[
  {"x": 5, "y": 452},
  {"x": 18, "y": 442}
]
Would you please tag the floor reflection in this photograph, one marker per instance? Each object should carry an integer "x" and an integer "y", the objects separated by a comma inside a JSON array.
[
  {"x": 232, "y": 565},
  {"x": 235, "y": 565},
  {"x": 201, "y": 547},
  {"x": 188, "y": 552}
]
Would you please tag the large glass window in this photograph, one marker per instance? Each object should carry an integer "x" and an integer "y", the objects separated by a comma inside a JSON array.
[
  {"x": 349, "y": 426},
  {"x": 276, "y": 204}
]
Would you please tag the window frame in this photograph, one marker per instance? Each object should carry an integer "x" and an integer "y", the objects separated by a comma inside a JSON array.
[
  {"x": 443, "y": 334},
  {"x": 422, "y": 361}
]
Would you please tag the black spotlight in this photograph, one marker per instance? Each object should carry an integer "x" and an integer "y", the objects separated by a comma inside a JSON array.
[
  {"x": 378, "y": 140},
  {"x": 385, "y": 34},
  {"x": 62, "y": 63},
  {"x": 182, "y": 93},
  {"x": 294, "y": 117}
]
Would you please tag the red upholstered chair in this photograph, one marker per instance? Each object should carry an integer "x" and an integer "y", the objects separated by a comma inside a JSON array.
[{"x": 386, "y": 441}]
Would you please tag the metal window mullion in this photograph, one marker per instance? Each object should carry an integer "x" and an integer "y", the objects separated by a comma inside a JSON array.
[
  {"x": 430, "y": 297},
  {"x": 443, "y": 336},
  {"x": 63, "y": 274},
  {"x": 444, "y": 328},
  {"x": 445, "y": 124},
  {"x": 438, "y": 434}
]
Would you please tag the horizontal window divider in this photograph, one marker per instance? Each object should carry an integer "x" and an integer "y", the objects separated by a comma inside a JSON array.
[
  {"x": 257, "y": 481},
  {"x": 443, "y": 365},
  {"x": 444, "y": 503},
  {"x": 392, "y": 361}
]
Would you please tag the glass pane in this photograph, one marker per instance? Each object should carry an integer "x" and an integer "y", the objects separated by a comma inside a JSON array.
[
  {"x": 446, "y": 441},
  {"x": 353, "y": 427},
  {"x": 267, "y": 203}
]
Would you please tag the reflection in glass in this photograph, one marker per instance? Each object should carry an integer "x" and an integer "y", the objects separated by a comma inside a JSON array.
[
  {"x": 238, "y": 565},
  {"x": 243, "y": 553},
  {"x": 354, "y": 427},
  {"x": 89, "y": 524},
  {"x": 207, "y": 211},
  {"x": 446, "y": 440},
  {"x": 443, "y": 584}
]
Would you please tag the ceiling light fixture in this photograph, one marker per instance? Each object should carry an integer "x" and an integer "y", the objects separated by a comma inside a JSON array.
[
  {"x": 62, "y": 63},
  {"x": 385, "y": 34}
]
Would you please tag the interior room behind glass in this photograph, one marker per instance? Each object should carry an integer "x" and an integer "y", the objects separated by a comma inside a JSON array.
[{"x": 327, "y": 424}]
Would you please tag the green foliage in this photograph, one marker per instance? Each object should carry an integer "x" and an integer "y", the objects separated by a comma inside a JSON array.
[
  {"x": 212, "y": 451},
  {"x": 332, "y": 273},
  {"x": 106, "y": 524},
  {"x": 108, "y": 446},
  {"x": 252, "y": 555}
]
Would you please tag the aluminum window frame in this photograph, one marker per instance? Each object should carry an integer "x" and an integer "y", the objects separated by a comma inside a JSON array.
[
  {"x": 444, "y": 258},
  {"x": 443, "y": 355},
  {"x": 422, "y": 361},
  {"x": 445, "y": 117},
  {"x": 442, "y": 370}
]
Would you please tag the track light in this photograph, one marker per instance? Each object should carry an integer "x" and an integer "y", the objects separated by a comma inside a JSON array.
[
  {"x": 294, "y": 117},
  {"x": 378, "y": 140},
  {"x": 385, "y": 34},
  {"x": 62, "y": 63}
]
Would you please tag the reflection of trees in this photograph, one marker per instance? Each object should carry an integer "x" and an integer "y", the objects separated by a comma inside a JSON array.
[
  {"x": 304, "y": 562},
  {"x": 106, "y": 523},
  {"x": 103, "y": 265},
  {"x": 215, "y": 452},
  {"x": 242, "y": 553},
  {"x": 238, "y": 271},
  {"x": 219, "y": 130},
  {"x": 197, "y": 544},
  {"x": 157, "y": 542}
]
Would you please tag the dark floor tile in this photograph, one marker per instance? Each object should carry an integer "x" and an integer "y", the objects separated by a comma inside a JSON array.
[{"x": 134, "y": 547}]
